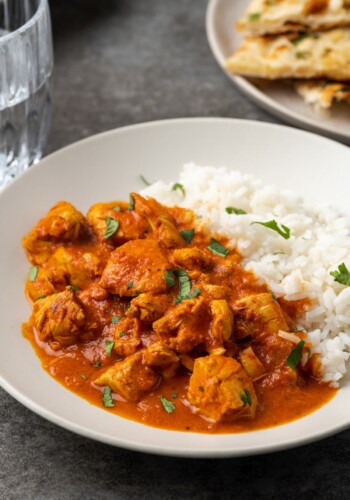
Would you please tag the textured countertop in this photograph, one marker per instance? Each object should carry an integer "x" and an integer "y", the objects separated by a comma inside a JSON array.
[{"x": 119, "y": 62}]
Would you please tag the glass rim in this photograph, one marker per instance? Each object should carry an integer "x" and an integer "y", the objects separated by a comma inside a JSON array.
[{"x": 43, "y": 4}]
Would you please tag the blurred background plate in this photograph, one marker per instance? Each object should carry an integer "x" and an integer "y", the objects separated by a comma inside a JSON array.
[{"x": 275, "y": 97}]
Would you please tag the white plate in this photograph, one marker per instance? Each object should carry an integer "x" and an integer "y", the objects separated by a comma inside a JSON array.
[
  {"x": 106, "y": 167},
  {"x": 275, "y": 97}
]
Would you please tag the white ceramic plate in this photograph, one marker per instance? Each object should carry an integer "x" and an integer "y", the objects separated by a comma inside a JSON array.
[
  {"x": 106, "y": 167},
  {"x": 275, "y": 97}
]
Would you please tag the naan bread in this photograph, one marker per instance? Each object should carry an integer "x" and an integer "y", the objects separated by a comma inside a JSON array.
[
  {"x": 323, "y": 94},
  {"x": 318, "y": 55},
  {"x": 279, "y": 16}
]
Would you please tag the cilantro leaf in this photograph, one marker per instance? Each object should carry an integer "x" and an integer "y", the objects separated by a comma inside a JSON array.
[
  {"x": 295, "y": 355},
  {"x": 168, "y": 406},
  {"x": 272, "y": 224},
  {"x": 109, "y": 347},
  {"x": 237, "y": 211},
  {"x": 176, "y": 186},
  {"x": 32, "y": 273},
  {"x": 131, "y": 203},
  {"x": 122, "y": 334},
  {"x": 216, "y": 248},
  {"x": 107, "y": 399},
  {"x": 145, "y": 181},
  {"x": 254, "y": 16},
  {"x": 169, "y": 278},
  {"x": 299, "y": 38},
  {"x": 342, "y": 275},
  {"x": 187, "y": 235},
  {"x": 111, "y": 227},
  {"x": 130, "y": 285},
  {"x": 115, "y": 319},
  {"x": 85, "y": 377},
  {"x": 97, "y": 364},
  {"x": 246, "y": 397},
  {"x": 74, "y": 288},
  {"x": 116, "y": 208}
]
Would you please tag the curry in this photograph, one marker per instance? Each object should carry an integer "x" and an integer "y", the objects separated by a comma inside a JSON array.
[{"x": 137, "y": 309}]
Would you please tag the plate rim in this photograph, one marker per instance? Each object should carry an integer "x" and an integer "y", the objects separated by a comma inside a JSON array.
[
  {"x": 146, "y": 447},
  {"x": 256, "y": 95}
]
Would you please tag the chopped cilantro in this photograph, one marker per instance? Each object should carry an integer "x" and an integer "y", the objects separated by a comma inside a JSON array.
[
  {"x": 187, "y": 235},
  {"x": 302, "y": 54},
  {"x": 41, "y": 297},
  {"x": 116, "y": 208},
  {"x": 122, "y": 334},
  {"x": 295, "y": 355},
  {"x": 168, "y": 406},
  {"x": 233, "y": 210},
  {"x": 174, "y": 395},
  {"x": 272, "y": 224},
  {"x": 107, "y": 399},
  {"x": 109, "y": 347},
  {"x": 97, "y": 364},
  {"x": 299, "y": 38},
  {"x": 145, "y": 181},
  {"x": 130, "y": 284},
  {"x": 115, "y": 319},
  {"x": 169, "y": 278},
  {"x": 111, "y": 227},
  {"x": 254, "y": 16},
  {"x": 176, "y": 186},
  {"x": 85, "y": 377},
  {"x": 216, "y": 248},
  {"x": 74, "y": 288},
  {"x": 246, "y": 397},
  {"x": 342, "y": 275},
  {"x": 132, "y": 203},
  {"x": 32, "y": 273}
]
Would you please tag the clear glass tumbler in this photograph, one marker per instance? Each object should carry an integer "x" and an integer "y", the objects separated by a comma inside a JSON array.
[{"x": 26, "y": 63}]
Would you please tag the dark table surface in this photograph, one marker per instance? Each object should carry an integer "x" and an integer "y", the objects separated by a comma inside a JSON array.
[{"x": 119, "y": 62}]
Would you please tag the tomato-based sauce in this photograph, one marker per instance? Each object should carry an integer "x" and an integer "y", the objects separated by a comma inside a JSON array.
[{"x": 141, "y": 283}]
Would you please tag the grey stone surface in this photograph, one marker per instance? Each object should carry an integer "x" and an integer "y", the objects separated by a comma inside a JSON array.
[{"x": 119, "y": 62}]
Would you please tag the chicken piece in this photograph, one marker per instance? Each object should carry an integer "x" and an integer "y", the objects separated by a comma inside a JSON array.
[
  {"x": 192, "y": 258},
  {"x": 46, "y": 282},
  {"x": 220, "y": 389},
  {"x": 252, "y": 364},
  {"x": 98, "y": 307},
  {"x": 149, "y": 307},
  {"x": 59, "y": 317},
  {"x": 160, "y": 220},
  {"x": 127, "y": 336},
  {"x": 131, "y": 225},
  {"x": 158, "y": 354},
  {"x": 257, "y": 313},
  {"x": 188, "y": 362},
  {"x": 222, "y": 320},
  {"x": 136, "y": 266},
  {"x": 63, "y": 223},
  {"x": 216, "y": 291},
  {"x": 129, "y": 378},
  {"x": 79, "y": 268},
  {"x": 261, "y": 317},
  {"x": 185, "y": 326}
]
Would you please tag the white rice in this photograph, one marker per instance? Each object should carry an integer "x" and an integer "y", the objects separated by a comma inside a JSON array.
[{"x": 296, "y": 268}]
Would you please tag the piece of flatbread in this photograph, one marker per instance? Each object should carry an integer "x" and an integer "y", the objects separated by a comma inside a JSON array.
[
  {"x": 322, "y": 95},
  {"x": 318, "y": 55},
  {"x": 279, "y": 16}
]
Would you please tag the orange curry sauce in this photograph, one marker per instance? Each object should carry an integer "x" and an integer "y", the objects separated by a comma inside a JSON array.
[{"x": 69, "y": 250}]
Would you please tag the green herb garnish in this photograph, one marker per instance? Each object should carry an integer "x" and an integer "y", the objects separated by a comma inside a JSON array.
[
  {"x": 254, "y": 16},
  {"x": 272, "y": 224},
  {"x": 246, "y": 397},
  {"x": 145, "y": 181},
  {"x": 129, "y": 285},
  {"x": 342, "y": 275},
  {"x": 109, "y": 347},
  {"x": 74, "y": 288},
  {"x": 85, "y": 377},
  {"x": 131, "y": 203},
  {"x": 32, "y": 273},
  {"x": 122, "y": 334},
  {"x": 97, "y": 364},
  {"x": 216, "y": 248},
  {"x": 169, "y": 278},
  {"x": 41, "y": 297},
  {"x": 176, "y": 186},
  {"x": 168, "y": 406},
  {"x": 302, "y": 54},
  {"x": 233, "y": 210},
  {"x": 295, "y": 355},
  {"x": 187, "y": 235},
  {"x": 116, "y": 208},
  {"x": 115, "y": 319},
  {"x": 300, "y": 38},
  {"x": 107, "y": 399},
  {"x": 184, "y": 284},
  {"x": 174, "y": 395},
  {"x": 111, "y": 227}
]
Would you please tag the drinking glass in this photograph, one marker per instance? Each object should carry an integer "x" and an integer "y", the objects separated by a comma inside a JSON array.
[{"x": 26, "y": 63}]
